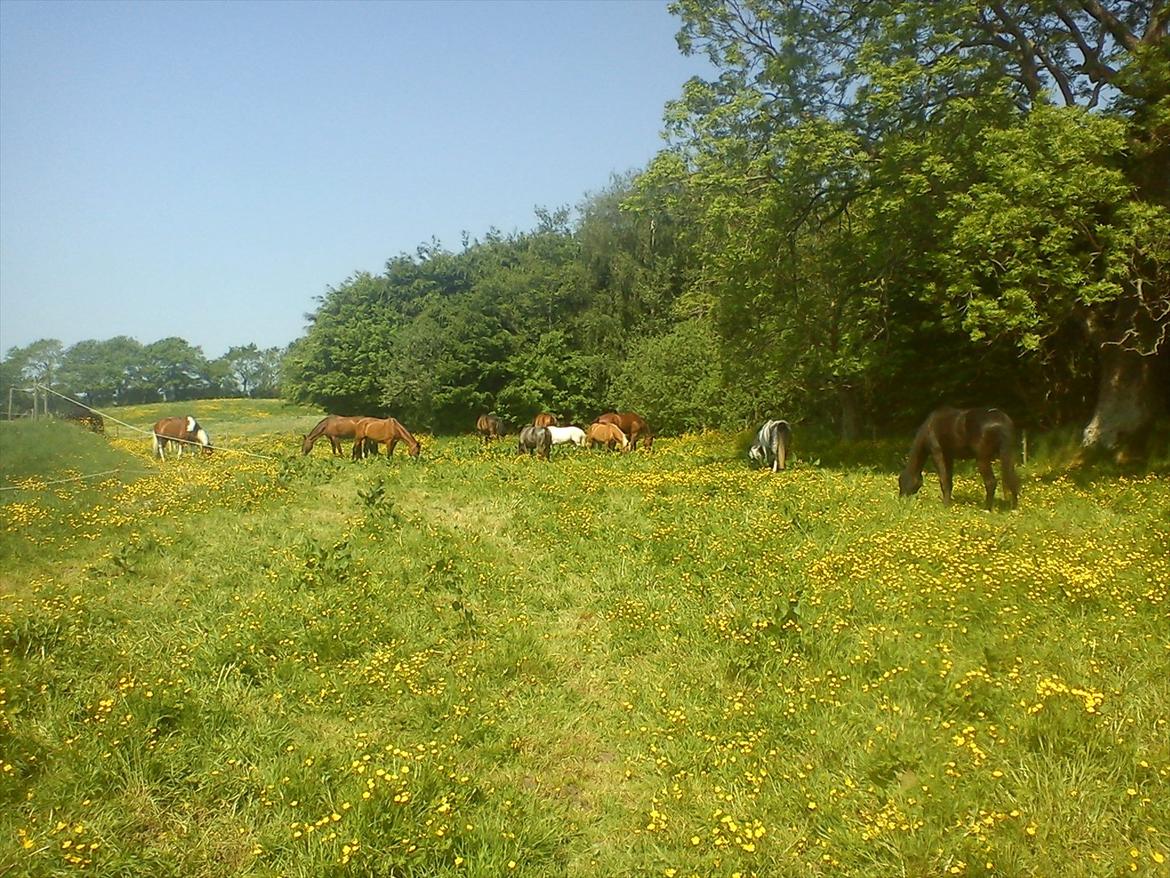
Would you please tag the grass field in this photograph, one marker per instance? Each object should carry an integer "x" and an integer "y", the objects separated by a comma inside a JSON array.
[{"x": 663, "y": 664}]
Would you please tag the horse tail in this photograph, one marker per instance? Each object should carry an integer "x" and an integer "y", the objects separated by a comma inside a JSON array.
[
  {"x": 1007, "y": 459},
  {"x": 782, "y": 435}
]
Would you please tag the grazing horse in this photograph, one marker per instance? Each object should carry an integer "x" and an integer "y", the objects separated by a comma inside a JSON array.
[
  {"x": 561, "y": 435},
  {"x": 632, "y": 424},
  {"x": 180, "y": 431},
  {"x": 608, "y": 435},
  {"x": 334, "y": 428},
  {"x": 535, "y": 439},
  {"x": 947, "y": 433},
  {"x": 490, "y": 427},
  {"x": 386, "y": 430},
  {"x": 772, "y": 444},
  {"x": 544, "y": 419}
]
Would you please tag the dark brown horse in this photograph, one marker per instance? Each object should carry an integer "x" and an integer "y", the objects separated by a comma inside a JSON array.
[
  {"x": 334, "y": 428},
  {"x": 85, "y": 418},
  {"x": 386, "y": 430},
  {"x": 179, "y": 431},
  {"x": 985, "y": 434},
  {"x": 489, "y": 427},
  {"x": 544, "y": 419},
  {"x": 632, "y": 424}
]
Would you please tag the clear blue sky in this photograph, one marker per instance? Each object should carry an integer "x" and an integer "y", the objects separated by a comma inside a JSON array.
[{"x": 206, "y": 169}]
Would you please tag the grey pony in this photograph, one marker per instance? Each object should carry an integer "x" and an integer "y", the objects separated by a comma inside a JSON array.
[{"x": 537, "y": 439}]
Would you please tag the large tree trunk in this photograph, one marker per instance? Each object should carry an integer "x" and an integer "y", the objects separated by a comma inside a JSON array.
[
  {"x": 1131, "y": 396},
  {"x": 850, "y": 414}
]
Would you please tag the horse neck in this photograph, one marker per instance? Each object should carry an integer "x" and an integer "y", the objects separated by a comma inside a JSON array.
[
  {"x": 403, "y": 433},
  {"x": 918, "y": 452},
  {"x": 319, "y": 429}
]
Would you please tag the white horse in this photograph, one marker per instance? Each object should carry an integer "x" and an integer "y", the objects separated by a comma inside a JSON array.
[
  {"x": 771, "y": 445},
  {"x": 561, "y": 435}
]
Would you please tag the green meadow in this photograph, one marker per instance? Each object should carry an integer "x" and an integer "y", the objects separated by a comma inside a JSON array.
[{"x": 653, "y": 664}]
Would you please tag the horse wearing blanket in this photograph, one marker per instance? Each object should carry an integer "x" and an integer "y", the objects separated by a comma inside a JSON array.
[
  {"x": 535, "y": 439},
  {"x": 771, "y": 445}
]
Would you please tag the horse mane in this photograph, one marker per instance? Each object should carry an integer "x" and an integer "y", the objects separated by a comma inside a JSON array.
[
  {"x": 320, "y": 428},
  {"x": 407, "y": 437},
  {"x": 919, "y": 448}
]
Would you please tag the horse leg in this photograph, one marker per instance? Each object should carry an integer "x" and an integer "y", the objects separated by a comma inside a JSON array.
[
  {"x": 942, "y": 463},
  {"x": 335, "y": 444},
  {"x": 1011, "y": 481},
  {"x": 390, "y": 448},
  {"x": 778, "y": 460},
  {"x": 988, "y": 474}
]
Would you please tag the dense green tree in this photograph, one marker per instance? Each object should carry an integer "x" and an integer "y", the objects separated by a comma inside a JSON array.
[
  {"x": 174, "y": 369},
  {"x": 38, "y": 362},
  {"x": 247, "y": 369},
  {"x": 101, "y": 372},
  {"x": 877, "y": 113},
  {"x": 338, "y": 363},
  {"x": 676, "y": 381}
]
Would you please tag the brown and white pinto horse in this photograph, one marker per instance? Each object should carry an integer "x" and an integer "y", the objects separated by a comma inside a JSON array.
[
  {"x": 386, "y": 430},
  {"x": 544, "y": 419},
  {"x": 947, "y": 433},
  {"x": 489, "y": 427},
  {"x": 180, "y": 431},
  {"x": 606, "y": 434},
  {"x": 632, "y": 424}
]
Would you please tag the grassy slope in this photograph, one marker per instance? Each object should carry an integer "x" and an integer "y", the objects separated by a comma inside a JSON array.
[{"x": 485, "y": 665}]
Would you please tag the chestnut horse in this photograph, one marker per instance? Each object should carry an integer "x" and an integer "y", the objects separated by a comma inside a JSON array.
[
  {"x": 947, "y": 433},
  {"x": 180, "y": 431},
  {"x": 489, "y": 427},
  {"x": 608, "y": 435},
  {"x": 632, "y": 424},
  {"x": 334, "y": 428},
  {"x": 386, "y": 430},
  {"x": 544, "y": 419}
]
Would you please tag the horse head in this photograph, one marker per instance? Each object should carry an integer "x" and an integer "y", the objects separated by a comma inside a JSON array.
[{"x": 909, "y": 482}]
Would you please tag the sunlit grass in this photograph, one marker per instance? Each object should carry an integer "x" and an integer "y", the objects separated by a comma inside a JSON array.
[{"x": 645, "y": 664}]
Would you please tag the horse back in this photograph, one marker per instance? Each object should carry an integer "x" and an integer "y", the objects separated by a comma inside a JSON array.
[
  {"x": 171, "y": 428},
  {"x": 990, "y": 432},
  {"x": 976, "y": 432},
  {"x": 630, "y": 423}
]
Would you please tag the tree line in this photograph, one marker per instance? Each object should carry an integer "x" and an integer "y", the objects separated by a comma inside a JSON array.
[
  {"x": 874, "y": 208},
  {"x": 124, "y": 371}
]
